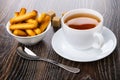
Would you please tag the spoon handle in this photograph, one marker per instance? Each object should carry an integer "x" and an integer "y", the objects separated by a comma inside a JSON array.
[
  {"x": 68, "y": 68},
  {"x": 25, "y": 55}
]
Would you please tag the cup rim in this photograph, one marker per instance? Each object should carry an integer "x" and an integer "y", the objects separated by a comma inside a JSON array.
[
  {"x": 28, "y": 37},
  {"x": 100, "y": 16}
]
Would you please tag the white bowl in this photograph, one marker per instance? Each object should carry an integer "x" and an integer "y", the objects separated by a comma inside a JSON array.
[{"x": 29, "y": 40}]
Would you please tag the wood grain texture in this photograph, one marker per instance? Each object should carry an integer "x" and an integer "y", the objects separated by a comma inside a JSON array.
[{"x": 13, "y": 67}]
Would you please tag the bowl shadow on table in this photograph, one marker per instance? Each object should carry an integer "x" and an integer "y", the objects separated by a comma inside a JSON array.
[{"x": 36, "y": 48}]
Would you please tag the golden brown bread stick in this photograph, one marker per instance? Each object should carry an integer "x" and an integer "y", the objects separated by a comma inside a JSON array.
[
  {"x": 22, "y": 26},
  {"x": 45, "y": 23},
  {"x": 32, "y": 21},
  {"x": 23, "y": 17},
  {"x": 16, "y": 14},
  {"x": 47, "y": 18},
  {"x": 22, "y": 11},
  {"x": 30, "y": 32},
  {"x": 19, "y": 33},
  {"x": 43, "y": 26},
  {"x": 37, "y": 30},
  {"x": 41, "y": 17}
]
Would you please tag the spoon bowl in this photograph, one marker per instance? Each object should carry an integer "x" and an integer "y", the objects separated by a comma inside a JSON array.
[{"x": 28, "y": 54}]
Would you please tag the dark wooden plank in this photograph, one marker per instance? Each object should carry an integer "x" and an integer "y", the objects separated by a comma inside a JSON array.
[{"x": 13, "y": 67}]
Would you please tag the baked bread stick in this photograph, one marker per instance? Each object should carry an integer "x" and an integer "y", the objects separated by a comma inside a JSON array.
[
  {"x": 16, "y": 14},
  {"x": 37, "y": 30},
  {"x": 23, "y": 17},
  {"x": 22, "y": 26},
  {"x": 45, "y": 23},
  {"x": 19, "y": 33},
  {"x": 22, "y": 11},
  {"x": 32, "y": 21},
  {"x": 30, "y": 32},
  {"x": 41, "y": 17}
]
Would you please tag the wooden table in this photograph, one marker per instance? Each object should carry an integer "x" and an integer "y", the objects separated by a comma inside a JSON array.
[{"x": 13, "y": 67}]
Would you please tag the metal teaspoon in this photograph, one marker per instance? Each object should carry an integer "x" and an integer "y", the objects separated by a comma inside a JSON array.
[{"x": 28, "y": 54}]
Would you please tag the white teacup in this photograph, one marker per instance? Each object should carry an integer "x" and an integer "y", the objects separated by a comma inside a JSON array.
[{"x": 83, "y": 39}]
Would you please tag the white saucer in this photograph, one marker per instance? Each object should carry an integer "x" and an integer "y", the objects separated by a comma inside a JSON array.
[{"x": 64, "y": 49}]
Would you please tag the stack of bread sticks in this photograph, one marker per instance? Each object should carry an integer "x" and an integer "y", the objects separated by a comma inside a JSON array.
[{"x": 29, "y": 23}]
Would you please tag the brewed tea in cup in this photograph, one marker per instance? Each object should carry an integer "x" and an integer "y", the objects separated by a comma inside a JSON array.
[{"x": 82, "y": 28}]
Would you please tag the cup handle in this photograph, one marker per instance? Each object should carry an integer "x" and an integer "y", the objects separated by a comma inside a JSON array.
[{"x": 98, "y": 40}]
